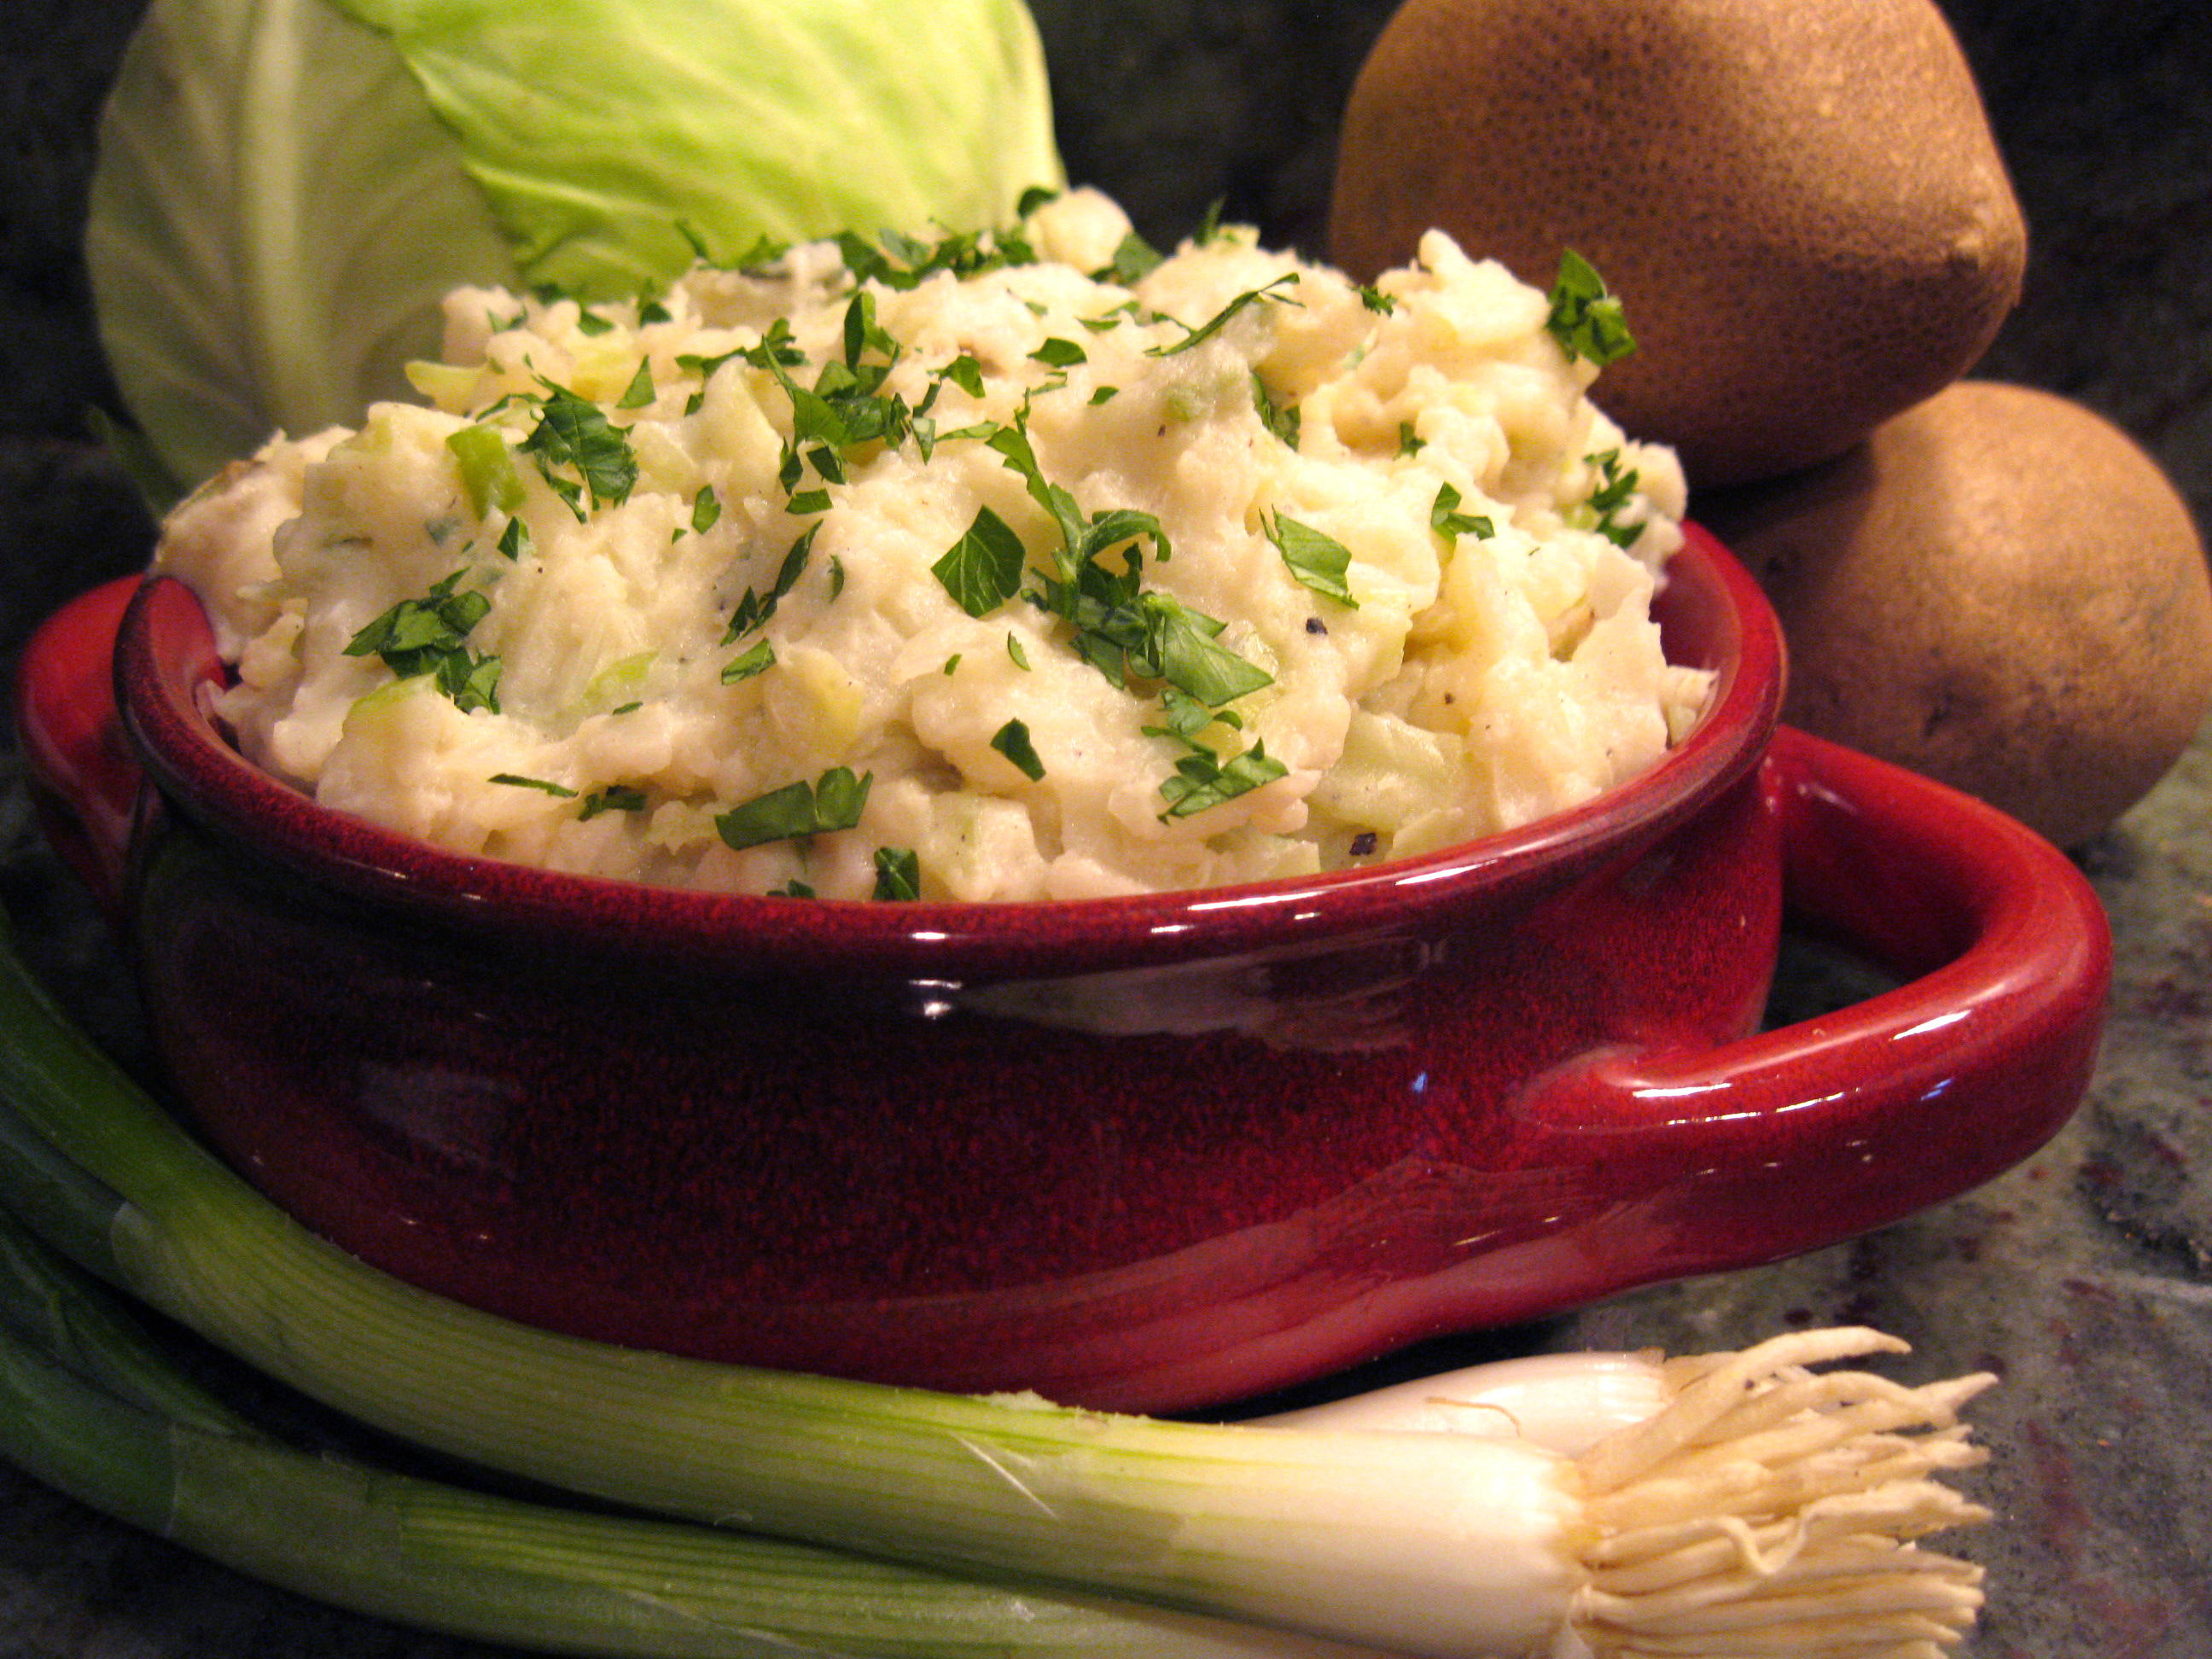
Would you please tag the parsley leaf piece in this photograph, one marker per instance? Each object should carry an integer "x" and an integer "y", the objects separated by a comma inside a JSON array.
[
  {"x": 1586, "y": 319},
  {"x": 487, "y": 470},
  {"x": 1220, "y": 319},
  {"x": 965, "y": 372},
  {"x": 1057, "y": 353},
  {"x": 1019, "y": 657},
  {"x": 472, "y": 681},
  {"x": 1281, "y": 419},
  {"x": 615, "y": 797},
  {"x": 1617, "y": 483},
  {"x": 426, "y": 635},
  {"x": 1012, "y": 740},
  {"x": 1183, "y": 650},
  {"x": 705, "y": 509},
  {"x": 1134, "y": 258},
  {"x": 832, "y": 802},
  {"x": 514, "y": 540},
  {"x": 1203, "y": 779},
  {"x": 1410, "y": 443},
  {"x": 898, "y": 874},
  {"x": 639, "y": 392},
  {"x": 1378, "y": 301},
  {"x": 572, "y": 432},
  {"x": 983, "y": 570},
  {"x": 1445, "y": 517},
  {"x": 757, "y": 660},
  {"x": 1319, "y": 561},
  {"x": 755, "y": 608},
  {"x": 559, "y": 790}
]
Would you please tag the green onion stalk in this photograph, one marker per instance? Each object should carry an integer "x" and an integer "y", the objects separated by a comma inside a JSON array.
[{"x": 1730, "y": 1504}]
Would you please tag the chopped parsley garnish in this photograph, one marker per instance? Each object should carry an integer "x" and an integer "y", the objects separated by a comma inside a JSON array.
[
  {"x": 1057, "y": 353},
  {"x": 615, "y": 797},
  {"x": 1445, "y": 517},
  {"x": 1378, "y": 301},
  {"x": 1586, "y": 319},
  {"x": 1012, "y": 740},
  {"x": 1015, "y": 652},
  {"x": 427, "y": 636},
  {"x": 1220, "y": 319},
  {"x": 965, "y": 372},
  {"x": 832, "y": 802},
  {"x": 542, "y": 786},
  {"x": 757, "y": 660},
  {"x": 898, "y": 874},
  {"x": 639, "y": 392},
  {"x": 573, "y": 437},
  {"x": 1410, "y": 443},
  {"x": 1616, "y": 485},
  {"x": 900, "y": 261},
  {"x": 1281, "y": 419},
  {"x": 1204, "y": 779},
  {"x": 1134, "y": 258},
  {"x": 705, "y": 509},
  {"x": 753, "y": 608},
  {"x": 514, "y": 540},
  {"x": 1317, "y": 560},
  {"x": 983, "y": 570}
]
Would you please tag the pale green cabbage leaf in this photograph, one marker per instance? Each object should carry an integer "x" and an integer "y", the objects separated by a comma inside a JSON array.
[{"x": 286, "y": 190}]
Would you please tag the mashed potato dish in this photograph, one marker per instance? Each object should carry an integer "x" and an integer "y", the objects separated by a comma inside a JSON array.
[{"x": 1014, "y": 566}]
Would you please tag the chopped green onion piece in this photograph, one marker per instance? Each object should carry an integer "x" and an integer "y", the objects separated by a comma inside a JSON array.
[{"x": 488, "y": 471}]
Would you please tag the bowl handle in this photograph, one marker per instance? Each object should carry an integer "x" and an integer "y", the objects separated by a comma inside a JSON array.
[
  {"x": 1800, "y": 1136},
  {"x": 85, "y": 782}
]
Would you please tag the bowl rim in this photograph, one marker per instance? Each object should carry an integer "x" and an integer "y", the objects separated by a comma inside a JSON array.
[{"x": 165, "y": 652}]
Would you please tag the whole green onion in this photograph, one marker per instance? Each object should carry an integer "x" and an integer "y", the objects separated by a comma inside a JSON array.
[{"x": 1764, "y": 1509}]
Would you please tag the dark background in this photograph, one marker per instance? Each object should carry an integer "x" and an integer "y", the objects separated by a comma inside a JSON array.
[{"x": 2084, "y": 1277}]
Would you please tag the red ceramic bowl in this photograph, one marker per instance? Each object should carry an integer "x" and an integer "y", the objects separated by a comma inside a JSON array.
[{"x": 1145, "y": 1153}]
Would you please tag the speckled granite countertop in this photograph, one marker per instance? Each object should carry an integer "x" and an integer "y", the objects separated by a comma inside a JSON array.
[{"x": 2083, "y": 1277}]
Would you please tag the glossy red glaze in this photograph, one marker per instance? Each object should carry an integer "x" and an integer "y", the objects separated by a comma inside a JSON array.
[{"x": 1141, "y": 1153}]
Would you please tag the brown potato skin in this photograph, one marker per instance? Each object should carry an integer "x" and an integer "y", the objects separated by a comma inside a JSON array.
[
  {"x": 1999, "y": 589},
  {"x": 1799, "y": 202}
]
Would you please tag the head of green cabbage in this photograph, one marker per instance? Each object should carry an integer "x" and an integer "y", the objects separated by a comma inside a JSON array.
[{"x": 285, "y": 190}]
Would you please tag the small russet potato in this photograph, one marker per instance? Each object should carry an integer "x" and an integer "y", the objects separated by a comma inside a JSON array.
[
  {"x": 1799, "y": 202},
  {"x": 1999, "y": 589}
]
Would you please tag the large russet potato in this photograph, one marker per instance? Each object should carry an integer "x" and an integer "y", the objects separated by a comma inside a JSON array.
[
  {"x": 1999, "y": 589},
  {"x": 1799, "y": 202}
]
